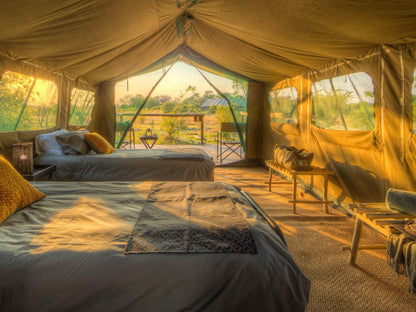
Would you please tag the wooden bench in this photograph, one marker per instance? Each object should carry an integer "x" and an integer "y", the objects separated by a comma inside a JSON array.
[
  {"x": 293, "y": 174},
  {"x": 378, "y": 217}
]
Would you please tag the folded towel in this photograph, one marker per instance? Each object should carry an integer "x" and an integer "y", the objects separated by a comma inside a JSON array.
[{"x": 401, "y": 201}]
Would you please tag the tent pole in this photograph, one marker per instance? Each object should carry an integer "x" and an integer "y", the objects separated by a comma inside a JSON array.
[
  {"x": 24, "y": 105},
  {"x": 240, "y": 135}
]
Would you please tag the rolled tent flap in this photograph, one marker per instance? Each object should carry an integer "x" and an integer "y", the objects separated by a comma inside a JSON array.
[{"x": 103, "y": 113}]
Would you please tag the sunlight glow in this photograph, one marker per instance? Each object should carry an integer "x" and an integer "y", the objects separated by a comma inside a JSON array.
[
  {"x": 87, "y": 226},
  {"x": 176, "y": 81}
]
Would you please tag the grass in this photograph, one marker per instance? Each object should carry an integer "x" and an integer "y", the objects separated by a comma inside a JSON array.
[{"x": 176, "y": 130}]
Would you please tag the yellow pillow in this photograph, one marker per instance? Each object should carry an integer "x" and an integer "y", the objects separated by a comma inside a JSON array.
[
  {"x": 99, "y": 144},
  {"x": 15, "y": 191}
]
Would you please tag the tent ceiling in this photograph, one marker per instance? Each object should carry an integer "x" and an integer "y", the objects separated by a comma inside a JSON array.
[{"x": 264, "y": 40}]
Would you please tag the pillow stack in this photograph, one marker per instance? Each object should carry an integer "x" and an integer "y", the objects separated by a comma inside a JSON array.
[
  {"x": 64, "y": 142},
  {"x": 46, "y": 143},
  {"x": 73, "y": 143}
]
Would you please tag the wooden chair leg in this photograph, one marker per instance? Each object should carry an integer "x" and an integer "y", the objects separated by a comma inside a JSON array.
[
  {"x": 326, "y": 193},
  {"x": 355, "y": 241},
  {"x": 270, "y": 178},
  {"x": 294, "y": 190}
]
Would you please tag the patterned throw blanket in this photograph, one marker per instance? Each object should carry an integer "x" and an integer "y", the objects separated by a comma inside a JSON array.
[
  {"x": 401, "y": 256},
  {"x": 190, "y": 217},
  {"x": 395, "y": 254}
]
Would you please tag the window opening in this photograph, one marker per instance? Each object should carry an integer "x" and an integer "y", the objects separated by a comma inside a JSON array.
[
  {"x": 284, "y": 105},
  {"x": 344, "y": 103},
  {"x": 82, "y": 102},
  {"x": 27, "y": 103}
]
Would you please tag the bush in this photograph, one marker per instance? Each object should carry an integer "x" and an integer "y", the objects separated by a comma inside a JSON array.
[
  {"x": 223, "y": 114},
  {"x": 172, "y": 126}
]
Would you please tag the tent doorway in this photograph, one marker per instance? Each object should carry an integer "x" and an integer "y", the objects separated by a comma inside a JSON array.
[{"x": 181, "y": 104}]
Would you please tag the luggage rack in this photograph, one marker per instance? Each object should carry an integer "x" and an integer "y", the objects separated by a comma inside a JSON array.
[
  {"x": 378, "y": 217},
  {"x": 293, "y": 174}
]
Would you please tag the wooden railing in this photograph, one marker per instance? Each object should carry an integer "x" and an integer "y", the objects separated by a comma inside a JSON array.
[{"x": 196, "y": 116}]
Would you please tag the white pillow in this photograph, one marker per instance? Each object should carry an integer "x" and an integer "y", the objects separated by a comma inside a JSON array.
[{"x": 48, "y": 144}]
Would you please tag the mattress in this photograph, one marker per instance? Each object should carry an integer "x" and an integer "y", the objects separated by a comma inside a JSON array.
[
  {"x": 67, "y": 252},
  {"x": 187, "y": 164}
]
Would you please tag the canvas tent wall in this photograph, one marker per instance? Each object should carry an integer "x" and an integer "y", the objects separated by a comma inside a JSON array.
[
  {"x": 94, "y": 44},
  {"x": 366, "y": 163}
]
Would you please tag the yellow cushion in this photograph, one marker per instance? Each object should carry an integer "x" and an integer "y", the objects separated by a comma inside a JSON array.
[
  {"x": 15, "y": 191},
  {"x": 99, "y": 144}
]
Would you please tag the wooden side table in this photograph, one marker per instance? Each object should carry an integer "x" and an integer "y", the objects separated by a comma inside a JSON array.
[
  {"x": 40, "y": 173},
  {"x": 294, "y": 175},
  {"x": 149, "y": 141}
]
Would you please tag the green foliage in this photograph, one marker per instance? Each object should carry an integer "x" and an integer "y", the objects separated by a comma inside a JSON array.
[
  {"x": 212, "y": 109},
  {"x": 35, "y": 110},
  {"x": 223, "y": 114},
  {"x": 172, "y": 127},
  {"x": 168, "y": 107},
  {"x": 82, "y": 102},
  {"x": 284, "y": 109},
  {"x": 331, "y": 111},
  {"x": 358, "y": 118}
]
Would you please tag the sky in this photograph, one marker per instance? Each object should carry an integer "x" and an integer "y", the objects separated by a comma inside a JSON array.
[
  {"x": 362, "y": 83},
  {"x": 176, "y": 81}
]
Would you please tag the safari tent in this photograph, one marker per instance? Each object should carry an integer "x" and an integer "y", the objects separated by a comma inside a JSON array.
[
  {"x": 274, "y": 44},
  {"x": 337, "y": 78}
]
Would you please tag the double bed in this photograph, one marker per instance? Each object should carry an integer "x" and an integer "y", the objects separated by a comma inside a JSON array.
[
  {"x": 186, "y": 164},
  {"x": 146, "y": 246}
]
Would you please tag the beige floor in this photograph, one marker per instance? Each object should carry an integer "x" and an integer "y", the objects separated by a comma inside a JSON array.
[{"x": 315, "y": 239}]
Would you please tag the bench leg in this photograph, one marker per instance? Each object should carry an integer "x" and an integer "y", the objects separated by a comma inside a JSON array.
[
  {"x": 295, "y": 181},
  {"x": 326, "y": 193},
  {"x": 355, "y": 240},
  {"x": 270, "y": 178}
]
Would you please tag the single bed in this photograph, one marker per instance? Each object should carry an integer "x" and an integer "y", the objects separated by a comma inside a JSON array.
[
  {"x": 103, "y": 246},
  {"x": 186, "y": 164}
]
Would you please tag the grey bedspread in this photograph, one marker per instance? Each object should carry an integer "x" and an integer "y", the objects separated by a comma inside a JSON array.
[
  {"x": 189, "y": 164},
  {"x": 65, "y": 253}
]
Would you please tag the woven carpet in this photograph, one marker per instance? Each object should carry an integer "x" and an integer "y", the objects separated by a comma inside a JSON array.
[{"x": 315, "y": 239}]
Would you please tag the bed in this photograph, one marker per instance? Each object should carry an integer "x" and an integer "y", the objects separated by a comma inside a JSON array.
[
  {"x": 110, "y": 246},
  {"x": 186, "y": 164}
]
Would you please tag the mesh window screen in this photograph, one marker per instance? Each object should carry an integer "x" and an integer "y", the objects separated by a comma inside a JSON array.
[
  {"x": 82, "y": 102},
  {"x": 344, "y": 102},
  {"x": 283, "y": 105},
  {"x": 27, "y": 103}
]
